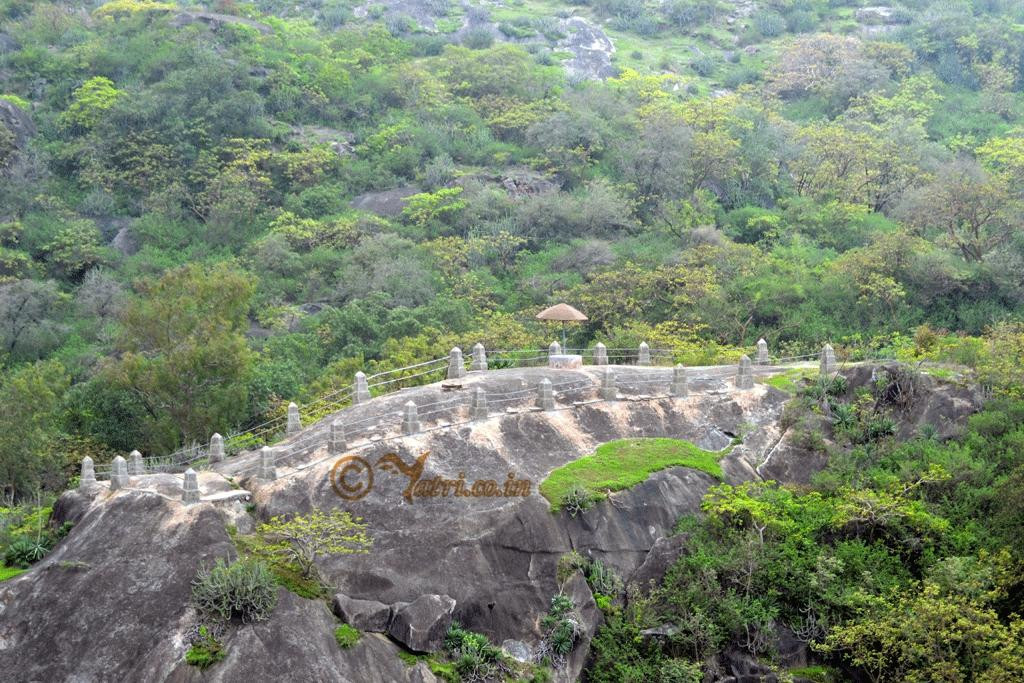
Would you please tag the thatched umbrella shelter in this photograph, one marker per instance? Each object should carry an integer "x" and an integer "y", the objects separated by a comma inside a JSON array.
[{"x": 562, "y": 313}]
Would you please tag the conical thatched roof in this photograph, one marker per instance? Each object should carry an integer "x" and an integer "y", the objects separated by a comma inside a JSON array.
[{"x": 563, "y": 312}]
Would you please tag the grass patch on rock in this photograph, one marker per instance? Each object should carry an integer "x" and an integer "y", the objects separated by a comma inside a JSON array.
[
  {"x": 622, "y": 464},
  {"x": 10, "y": 572},
  {"x": 792, "y": 380},
  {"x": 346, "y": 636}
]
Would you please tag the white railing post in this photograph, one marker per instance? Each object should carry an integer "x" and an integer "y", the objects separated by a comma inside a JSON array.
[
  {"x": 744, "y": 373},
  {"x": 479, "y": 361},
  {"x": 456, "y": 366},
  {"x": 644, "y": 355},
  {"x": 609, "y": 391}
]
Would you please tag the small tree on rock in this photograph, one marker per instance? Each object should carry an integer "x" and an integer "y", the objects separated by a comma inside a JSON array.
[{"x": 303, "y": 539}]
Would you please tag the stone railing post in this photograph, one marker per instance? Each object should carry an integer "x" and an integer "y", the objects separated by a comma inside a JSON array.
[
  {"x": 545, "y": 395},
  {"x": 600, "y": 354},
  {"x": 88, "y": 477},
  {"x": 745, "y": 373},
  {"x": 478, "y": 409},
  {"x": 190, "y": 487},
  {"x": 609, "y": 391},
  {"x": 294, "y": 421},
  {"x": 456, "y": 366},
  {"x": 827, "y": 364},
  {"x": 118, "y": 474},
  {"x": 216, "y": 452},
  {"x": 411, "y": 420},
  {"x": 762, "y": 353},
  {"x": 644, "y": 356},
  {"x": 266, "y": 469},
  {"x": 135, "y": 466},
  {"x": 360, "y": 392},
  {"x": 479, "y": 361},
  {"x": 337, "y": 444},
  {"x": 679, "y": 385}
]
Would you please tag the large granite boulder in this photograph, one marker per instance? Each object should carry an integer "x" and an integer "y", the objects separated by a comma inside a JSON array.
[
  {"x": 117, "y": 591},
  {"x": 421, "y": 625},
  {"x": 365, "y": 615}
]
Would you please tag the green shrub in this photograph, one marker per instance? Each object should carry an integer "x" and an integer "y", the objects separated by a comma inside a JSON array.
[
  {"x": 245, "y": 589},
  {"x": 346, "y": 636},
  {"x": 703, "y": 65},
  {"x": 569, "y": 563},
  {"x": 205, "y": 651},
  {"x": 26, "y": 551},
  {"x": 577, "y": 500},
  {"x": 603, "y": 579},
  {"x": 474, "y": 657},
  {"x": 514, "y": 31},
  {"x": 769, "y": 24},
  {"x": 562, "y": 629},
  {"x": 478, "y": 39}
]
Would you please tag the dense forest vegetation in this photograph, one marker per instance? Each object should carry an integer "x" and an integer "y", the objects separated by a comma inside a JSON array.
[
  {"x": 206, "y": 214},
  {"x": 180, "y": 253}
]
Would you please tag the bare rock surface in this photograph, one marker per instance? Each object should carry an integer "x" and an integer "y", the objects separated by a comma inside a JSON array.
[
  {"x": 217, "y": 21},
  {"x": 591, "y": 49},
  {"x": 18, "y": 122},
  {"x": 385, "y": 203},
  {"x": 421, "y": 625}
]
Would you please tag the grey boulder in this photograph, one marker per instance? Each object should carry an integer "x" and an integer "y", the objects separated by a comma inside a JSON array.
[
  {"x": 365, "y": 615},
  {"x": 422, "y": 624}
]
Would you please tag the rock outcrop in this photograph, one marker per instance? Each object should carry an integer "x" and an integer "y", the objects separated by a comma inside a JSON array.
[
  {"x": 389, "y": 203},
  {"x": 217, "y": 21},
  {"x": 489, "y": 561},
  {"x": 18, "y": 122},
  {"x": 420, "y": 625},
  {"x": 365, "y": 615}
]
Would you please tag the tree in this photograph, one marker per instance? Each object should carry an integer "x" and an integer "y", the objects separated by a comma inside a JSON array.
[
  {"x": 29, "y": 313},
  {"x": 656, "y": 160},
  {"x": 184, "y": 352},
  {"x": 854, "y": 161},
  {"x": 834, "y": 67},
  {"x": 100, "y": 299},
  {"x": 75, "y": 249},
  {"x": 971, "y": 209},
  {"x": 304, "y": 539},
  {"x": 30, "y": 405},
  {"x": 90, "y": 103}
]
